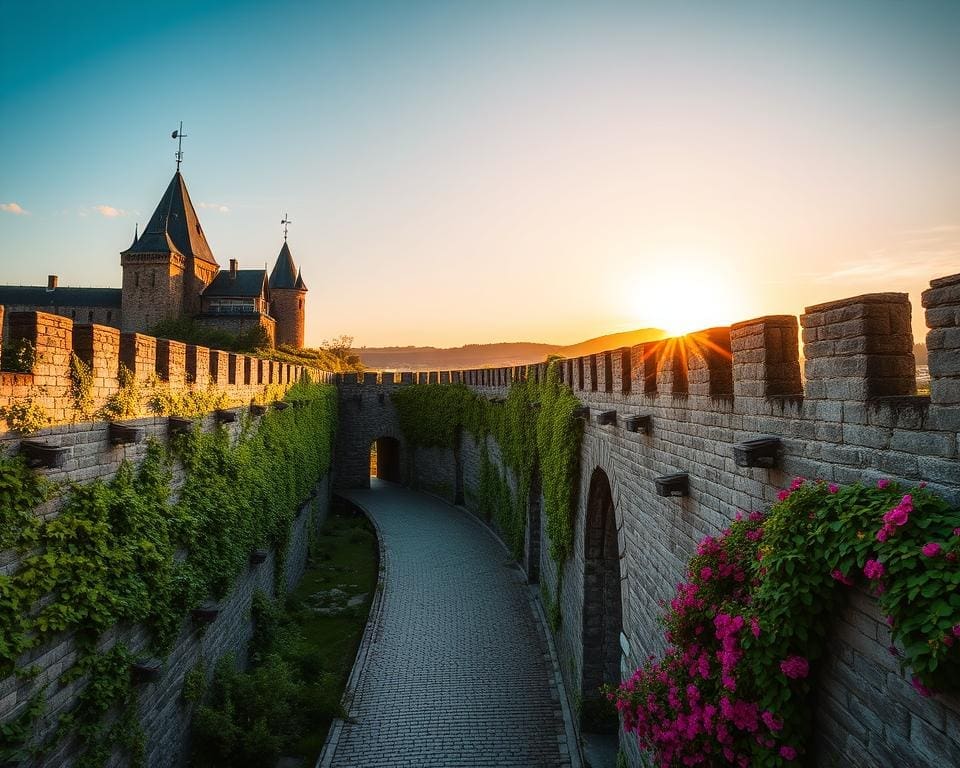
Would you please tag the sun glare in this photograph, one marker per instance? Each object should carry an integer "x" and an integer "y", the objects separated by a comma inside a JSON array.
[{"x": 685, "y": 297}]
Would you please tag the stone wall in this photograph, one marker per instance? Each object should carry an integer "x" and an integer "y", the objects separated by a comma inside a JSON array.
[
  {"x": 164, "y": 714},
  {"x": 853, "y": 416},
  {"x": 158, "y": 365}
]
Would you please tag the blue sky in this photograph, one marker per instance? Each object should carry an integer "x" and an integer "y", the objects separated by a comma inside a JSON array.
[{"x": 466, "y": 172}]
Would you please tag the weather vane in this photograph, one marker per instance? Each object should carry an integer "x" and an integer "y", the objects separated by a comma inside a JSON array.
[
  {"x": 285, "y": 221},
  {"x": 179, "y": 135}
]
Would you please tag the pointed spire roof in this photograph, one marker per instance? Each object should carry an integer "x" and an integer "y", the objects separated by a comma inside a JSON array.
[
  {"x": 174, "y": 226},
  {"x": 284, "y": 273},
  {"x": 301, "y": 286}
]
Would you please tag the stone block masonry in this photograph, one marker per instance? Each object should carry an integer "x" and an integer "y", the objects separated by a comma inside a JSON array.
[
  {"x": 854, "y": 416},
  {"x": 169, "y": 366}
]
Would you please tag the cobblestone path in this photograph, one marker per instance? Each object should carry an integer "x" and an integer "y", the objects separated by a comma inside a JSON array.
[{"x": 455, "y": 671}]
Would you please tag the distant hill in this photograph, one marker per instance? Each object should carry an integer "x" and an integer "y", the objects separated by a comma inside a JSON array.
[{"x": 493, "y": 355}]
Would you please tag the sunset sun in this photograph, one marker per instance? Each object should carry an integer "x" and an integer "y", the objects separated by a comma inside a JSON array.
[{"x": 683, "y": 296}]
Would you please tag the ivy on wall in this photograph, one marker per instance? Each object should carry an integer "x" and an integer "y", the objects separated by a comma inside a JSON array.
[
  {"x": 108, "y": 557},
  {"x": 534, "y": 428}
]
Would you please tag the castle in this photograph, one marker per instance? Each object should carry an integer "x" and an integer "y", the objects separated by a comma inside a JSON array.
[{"x": 170, "y": 273}]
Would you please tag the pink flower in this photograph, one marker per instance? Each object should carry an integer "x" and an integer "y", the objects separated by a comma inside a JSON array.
[
  {"x": 795, "y": 667},
  {"x": 931, "y": 549},
  {"x": 873, "y": 569},
  {"x": 770, "y": 720},
  {"x": 755, "y": 626},
  {"x": 956, "y": 531},
  {"x": 706, "y": 572},
  {"x": 882, "y": 483},
  {"x": 788, "y": 752},
  {"x": 783, "y": 495},
  {"x": 833, "y": 488},
  {"x": 920, "y": 687},
  {"x": 898, "y": 516},
  {"x": 838, "y": 575},
  {"x": 797, "y": 482},
  {"x": 956, "y": 630},
  {"x": 755, "y": 535},
  {"x": 883, "y": 533}
]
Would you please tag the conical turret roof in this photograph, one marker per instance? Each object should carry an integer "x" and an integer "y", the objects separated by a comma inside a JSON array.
[
  {"x": 301, "y": 286},
  {"x": 174, "y": 226},
  {"x": 284, "y": 273}
]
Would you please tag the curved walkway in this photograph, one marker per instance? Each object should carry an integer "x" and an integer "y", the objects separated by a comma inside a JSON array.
[{"x": 454, "y": 669}]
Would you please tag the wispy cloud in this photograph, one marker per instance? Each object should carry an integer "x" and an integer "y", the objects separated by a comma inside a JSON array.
[
  {"x": 108, "y": 211},
  {"x": 917, "y": 253},
  {"x": 219, "y": 207},
  {"x": 15, "y": 208}
]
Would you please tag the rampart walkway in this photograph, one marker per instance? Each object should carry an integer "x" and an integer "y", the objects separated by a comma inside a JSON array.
[{"x": 455, "y": 670}]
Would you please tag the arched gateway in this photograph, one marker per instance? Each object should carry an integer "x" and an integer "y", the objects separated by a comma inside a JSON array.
[{"x": 602, "y": 619}]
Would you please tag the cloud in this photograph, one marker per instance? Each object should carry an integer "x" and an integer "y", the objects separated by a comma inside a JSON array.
[
  {"x": 219, "y": 207},
  {"x": 14, "y": 208},
  {"x": 108, "y": 211},
  {"x": 934, "y": 253}
]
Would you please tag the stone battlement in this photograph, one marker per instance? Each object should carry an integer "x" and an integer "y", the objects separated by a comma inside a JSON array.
[
  {"x": 172, "y": 365},
  {"x": 855, "y": 349}
]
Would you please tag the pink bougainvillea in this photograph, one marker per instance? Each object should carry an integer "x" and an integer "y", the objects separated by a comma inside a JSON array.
[
  {"x": 931, "y": 549},
  {"x": 733, "y": 686}
]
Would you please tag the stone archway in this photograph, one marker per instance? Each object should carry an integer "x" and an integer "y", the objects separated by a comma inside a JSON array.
[
  {"x": 385, "y": 459},
  {"x": 602, "y": 618}
]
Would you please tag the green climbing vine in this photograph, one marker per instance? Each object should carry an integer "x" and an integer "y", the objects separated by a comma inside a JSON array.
[
  {"x": 81, "y": 387},
  {"x": 108, "y": 557},
  {"x": 534, "y": 429}
]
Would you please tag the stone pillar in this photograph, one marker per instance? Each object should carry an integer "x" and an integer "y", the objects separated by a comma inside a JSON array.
[
  {"x": 859, "y": 348},
  {"x": 138, "y": 353},
  {"x": 709, "y": 363},
  {"x": 98, "y": 346},
  {"x": 198, "y": 365},
  {"x": 766, "y": 357},
  {"x": 942, "y": 304},
  {"x": 172, "y": 361},
  {"x": 620, "y": 370},
  {"x": 645, "y": 360}
]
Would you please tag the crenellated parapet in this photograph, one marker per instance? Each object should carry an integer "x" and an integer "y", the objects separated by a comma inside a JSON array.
[{"x": 111, "y": 359}]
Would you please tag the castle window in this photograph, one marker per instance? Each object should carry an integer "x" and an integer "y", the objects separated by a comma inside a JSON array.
[
  {"x": 136, "y": 279},
  {"x": 73, "y": 314},
  {"x": 109, "y": 315},
  {"x": 153, "y": 279},
  {"x": 301, "y": 303},
  {"x": 90, "y": 316}
]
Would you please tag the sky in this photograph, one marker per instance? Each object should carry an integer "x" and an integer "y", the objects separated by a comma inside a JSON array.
[{"x": 470, "y": 172}]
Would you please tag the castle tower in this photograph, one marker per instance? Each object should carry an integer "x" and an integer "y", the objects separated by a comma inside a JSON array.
[
  {"x": 169, "y": 265},
  {"x": 288, "y": 297}
]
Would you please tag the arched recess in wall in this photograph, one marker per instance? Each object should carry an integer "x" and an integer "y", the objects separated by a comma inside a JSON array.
[
  {"x": 602, "y": 618},
  {"x": 458, "y": 465},
  {"x": 532, "y": 544},
  {"x": 385, "y": 459}
]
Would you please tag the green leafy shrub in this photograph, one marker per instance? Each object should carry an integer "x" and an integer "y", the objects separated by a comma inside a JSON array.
[{"x": 108, "y": 558}]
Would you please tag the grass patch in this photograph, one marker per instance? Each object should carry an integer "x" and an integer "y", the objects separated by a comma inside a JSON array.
[{"x": 301, "y": 654}]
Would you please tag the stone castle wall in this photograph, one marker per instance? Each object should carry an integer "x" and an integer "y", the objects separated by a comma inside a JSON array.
[
  {"x": 157, "y": 365},
  {"x": 853, "y": 416}
]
